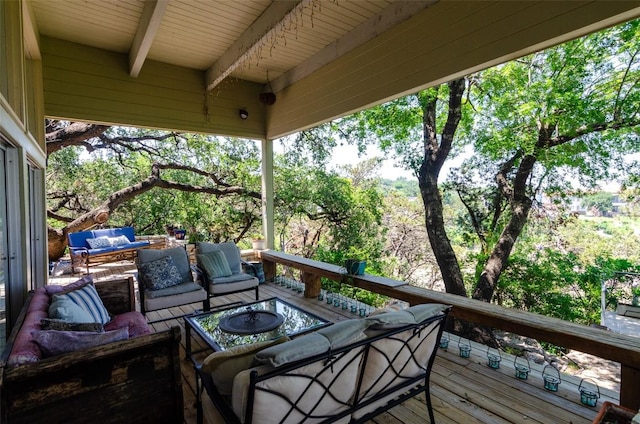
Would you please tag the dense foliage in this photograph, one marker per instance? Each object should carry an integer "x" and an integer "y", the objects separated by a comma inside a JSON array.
[{"x": 534, "y": 127}]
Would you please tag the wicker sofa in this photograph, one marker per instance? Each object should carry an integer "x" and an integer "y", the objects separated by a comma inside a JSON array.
[
  {"x": 134, "y": 380},
  {"x": 348, "y": 372}
]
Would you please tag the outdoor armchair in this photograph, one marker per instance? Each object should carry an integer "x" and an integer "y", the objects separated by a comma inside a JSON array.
[
  {"x": 221, "y": 269},
  {"x": 165, "y": 280}
]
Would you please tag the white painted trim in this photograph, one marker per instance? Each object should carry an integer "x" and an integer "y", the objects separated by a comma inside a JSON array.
[
  {"x": 267, "y": 193},
  {"x": 150, "y": 20},
  {"x": 391, "y": 16},
  {"x": 271, "y": 21},
  {"x": 15, "y": 132}
]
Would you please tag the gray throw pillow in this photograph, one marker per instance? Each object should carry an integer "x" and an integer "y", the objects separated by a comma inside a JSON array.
[{"x": 214, "y": 263}]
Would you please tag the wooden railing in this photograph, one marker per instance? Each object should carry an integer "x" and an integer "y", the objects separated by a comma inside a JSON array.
[{"x": 604, "y": 344}]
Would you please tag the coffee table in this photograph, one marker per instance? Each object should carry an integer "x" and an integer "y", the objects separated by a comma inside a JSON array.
[{"x": 207, "y": 325}]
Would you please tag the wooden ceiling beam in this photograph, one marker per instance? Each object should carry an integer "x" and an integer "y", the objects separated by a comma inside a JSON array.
[
  {"x": 391, "y": 16},
  {"x": 254, "y": 38},
  {"x": 150, "y": 20}
]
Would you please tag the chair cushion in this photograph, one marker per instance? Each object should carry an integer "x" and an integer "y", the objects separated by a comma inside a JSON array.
[
  {"x": 234, "y": 278},
  {"x": 159, "y": 274},
  {"x": 230, "y": 250},
  {"x": 223, "y": 366},
  {"x": 239, "y": 285},
  {"x": 173, "y": 290},
  {"x": 164, "y": 302},
  {"x": 214, "y": 263},
  {"x": 88, "y": 299},
  {"x": 53, "y": 342},
  {"x": 178, "y": 254}
]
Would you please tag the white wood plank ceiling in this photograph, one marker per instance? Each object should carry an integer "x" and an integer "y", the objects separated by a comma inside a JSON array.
[{"x": 253, "y": 40}]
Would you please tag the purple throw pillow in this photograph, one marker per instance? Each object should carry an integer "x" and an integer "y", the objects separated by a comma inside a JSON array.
[{"x": 54, "y": 342}]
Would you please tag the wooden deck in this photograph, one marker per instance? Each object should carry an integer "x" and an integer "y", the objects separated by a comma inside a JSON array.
[{"x": 463, "y": 390}]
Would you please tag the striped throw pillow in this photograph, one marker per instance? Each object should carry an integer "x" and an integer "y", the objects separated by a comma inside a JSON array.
[
  {"x": 214, "y": 263},
  {"x": 87, "y": 298}
]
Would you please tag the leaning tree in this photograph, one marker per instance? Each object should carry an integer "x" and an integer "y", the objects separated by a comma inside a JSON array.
[{"x": 174, "y": 162}]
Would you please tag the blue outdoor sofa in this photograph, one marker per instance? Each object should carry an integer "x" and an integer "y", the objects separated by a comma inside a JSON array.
[{"x": 102, "y": 246}]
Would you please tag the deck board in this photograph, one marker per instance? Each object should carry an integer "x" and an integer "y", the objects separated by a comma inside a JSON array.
[{"x": 463, "y": 390}]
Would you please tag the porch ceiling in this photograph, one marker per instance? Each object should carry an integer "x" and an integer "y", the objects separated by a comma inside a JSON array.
[{"x": 323, "y": 58}]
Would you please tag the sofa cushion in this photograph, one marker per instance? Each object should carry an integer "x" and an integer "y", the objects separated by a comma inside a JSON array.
[
  {"x": 25, "y": 350},
  {"x": 397, "y": 358},
  {"x": 412, "y": 315},
  {"x": 214, "y": 263},
  {"x": 293, "y": 350},
  {"x": 134, "y": 321},
  {"x": 53, "y": 342},
  {"x": 344, "y": 332},
  {"x": 88, "y": 299},
  {"x": 99, "y": 242},
  {"x": 62, "y": 325},
  {"x": 159, "y": 274},
  {"x": 319, "y": 389},
  {"x": 223, "y": 366}
]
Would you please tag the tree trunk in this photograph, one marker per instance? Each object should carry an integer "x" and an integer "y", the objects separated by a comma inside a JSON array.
[
  {"x": 520, "y": 205},
  {"x": 435, "y": 154},
  {"x": 444, "y": 253}
]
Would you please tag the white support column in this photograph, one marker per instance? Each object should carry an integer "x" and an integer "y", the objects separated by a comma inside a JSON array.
[{"x": 267, "y": 193}]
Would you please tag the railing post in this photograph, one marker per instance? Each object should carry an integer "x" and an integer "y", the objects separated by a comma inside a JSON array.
[
  {"x": 629, "y": 387},
  {"x": 269, "y": 269},
  {"x": 312, "y": 285}
]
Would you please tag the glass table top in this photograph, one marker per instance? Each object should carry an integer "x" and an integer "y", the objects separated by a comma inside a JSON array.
[{"x": 296, "y": 321}]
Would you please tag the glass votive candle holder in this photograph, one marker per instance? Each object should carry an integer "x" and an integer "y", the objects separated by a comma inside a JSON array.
[
  {"x": 464, "y": 349},
  {"x": 587, "y": 396},
  {"x": 362, "y": 312},
  {"x": 444, "y": 342},
  {"x": 336, "y": 302},
  {"x": 493, "y": 358},
  {"x": 354, "y": 309},
  {"x": 522, "y": 371},
  {"x": 550, "y": 382}
]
